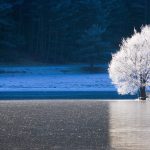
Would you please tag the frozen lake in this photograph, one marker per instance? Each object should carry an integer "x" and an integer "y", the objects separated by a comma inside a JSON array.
[{"x": 75, "y": 125}]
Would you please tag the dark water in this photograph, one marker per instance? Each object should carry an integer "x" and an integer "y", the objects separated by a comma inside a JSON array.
[
  {"x": 74, "y": 125},
  {"x": 64, "y": 95}
]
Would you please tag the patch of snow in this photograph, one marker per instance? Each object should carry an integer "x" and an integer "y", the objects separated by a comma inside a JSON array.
[{"x": 51, "y": 79}]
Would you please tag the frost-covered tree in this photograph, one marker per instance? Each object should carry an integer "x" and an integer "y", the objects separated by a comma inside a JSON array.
[{"x": 130, "y": 66}]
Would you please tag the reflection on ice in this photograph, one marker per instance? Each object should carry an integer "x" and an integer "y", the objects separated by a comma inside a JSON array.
[{"x": 129, "y": 125}]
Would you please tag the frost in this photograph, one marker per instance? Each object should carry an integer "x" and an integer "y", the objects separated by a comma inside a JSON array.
[
  {"x": 130, "y": 66},
  {"x": 52, "y": 78}
]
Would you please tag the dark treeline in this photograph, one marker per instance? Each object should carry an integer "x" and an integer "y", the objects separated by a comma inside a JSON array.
[{"x": 67, "y": 31}]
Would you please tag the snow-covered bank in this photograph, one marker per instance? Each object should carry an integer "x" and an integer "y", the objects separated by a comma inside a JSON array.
[{"x": 53, "y": 78}]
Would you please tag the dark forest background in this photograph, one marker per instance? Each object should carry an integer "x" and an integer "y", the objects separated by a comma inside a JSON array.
[{"x": 67, "y": 31}]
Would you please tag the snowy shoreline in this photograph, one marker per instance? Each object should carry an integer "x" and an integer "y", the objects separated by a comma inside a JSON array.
[
  {"x": 52, "y": 78},
  {"x": 55, "y": 82}
]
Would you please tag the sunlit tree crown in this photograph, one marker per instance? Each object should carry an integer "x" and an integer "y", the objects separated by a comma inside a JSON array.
[{"x": 130, "y": 66}]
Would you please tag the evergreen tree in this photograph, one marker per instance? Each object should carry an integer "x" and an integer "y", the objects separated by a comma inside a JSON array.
[
  {"x": 10, "y": 40},
  {"x": 62, "y": 31}
]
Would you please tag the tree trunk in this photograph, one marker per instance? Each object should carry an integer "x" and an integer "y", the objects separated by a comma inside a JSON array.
[{"x": 142, "y": 93}]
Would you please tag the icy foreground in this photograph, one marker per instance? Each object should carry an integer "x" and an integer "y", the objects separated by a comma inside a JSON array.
[
  {"x": 74, "y": 125},
  {"x": 53, "y": 78}
]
